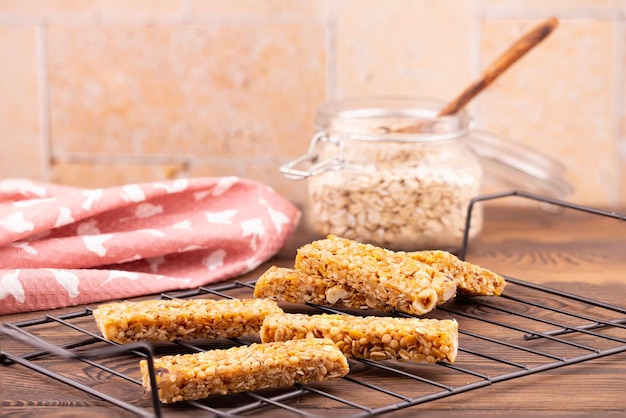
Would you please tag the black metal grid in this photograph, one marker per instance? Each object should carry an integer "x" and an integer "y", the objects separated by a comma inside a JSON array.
[{"x": 529, "y": 329}]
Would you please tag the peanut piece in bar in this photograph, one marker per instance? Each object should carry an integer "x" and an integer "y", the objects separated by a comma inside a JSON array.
[
  {"x": 390, "y": 277},
  {"x": 182, "y": 319},
  {"x": 471, "y": 279},
  {"x": 195, "y": 376},
  {"x": 371, "y": 337}
]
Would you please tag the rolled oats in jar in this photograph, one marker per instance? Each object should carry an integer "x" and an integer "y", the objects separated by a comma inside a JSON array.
[{"x": 390, "y": 172}]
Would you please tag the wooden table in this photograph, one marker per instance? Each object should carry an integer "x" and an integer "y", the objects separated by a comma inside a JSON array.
[{"x": 573, "y": 251}]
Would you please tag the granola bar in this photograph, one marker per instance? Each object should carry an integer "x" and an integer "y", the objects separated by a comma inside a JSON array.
[
  {"x": 182, "y": 319},
  {"x": 294, "y": 286},
  {"x": 390, "y": 277},
  {"x": 371, "y": 337},
  {"x": 470, "y": 278},
  {"x": 195, "y": 376}
]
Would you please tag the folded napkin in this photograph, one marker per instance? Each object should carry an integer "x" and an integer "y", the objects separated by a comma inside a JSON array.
[{"x": 63, "y": 246}]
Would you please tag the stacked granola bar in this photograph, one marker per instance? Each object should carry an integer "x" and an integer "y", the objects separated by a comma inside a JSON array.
[{"x": 345, "y": 273}]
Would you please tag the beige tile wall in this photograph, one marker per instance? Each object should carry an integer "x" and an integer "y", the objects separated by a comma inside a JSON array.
[{"x": 96, "y": 93}]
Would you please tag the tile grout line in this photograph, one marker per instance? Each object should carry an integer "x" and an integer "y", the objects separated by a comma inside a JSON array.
[
  {"x": 331, "y": 51},
  {"x": 120, "y": 159},
  {"x": 185, "y": 17},
  {"x": 476, "y": 34},
  {"x": 44, "y": 108},
  {"x": 573, "y": 13},
  {"x": 615, "y": 198}
]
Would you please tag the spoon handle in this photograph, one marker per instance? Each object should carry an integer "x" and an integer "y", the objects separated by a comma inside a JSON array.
[{"x": 497, "y": 67}]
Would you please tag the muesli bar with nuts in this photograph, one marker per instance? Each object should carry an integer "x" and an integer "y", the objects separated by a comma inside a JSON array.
[
  {"x": 185, "y": 377},
  {"x": 371, "y": 337},
  {"x": 182, "y": 319},
  {"x": 391, "y": 277},
  {"x": 295, "y": 286},
  {"x": 470, "y": 278}
]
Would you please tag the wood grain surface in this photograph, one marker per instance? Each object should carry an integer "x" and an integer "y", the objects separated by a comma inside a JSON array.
[{"x": 575, "y": 252}]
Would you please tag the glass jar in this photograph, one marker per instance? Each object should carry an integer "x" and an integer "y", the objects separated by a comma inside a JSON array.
[{"x": 389, "y": 172}]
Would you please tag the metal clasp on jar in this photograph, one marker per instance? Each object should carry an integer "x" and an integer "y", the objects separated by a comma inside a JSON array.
[{"x": 316, "y": 165}]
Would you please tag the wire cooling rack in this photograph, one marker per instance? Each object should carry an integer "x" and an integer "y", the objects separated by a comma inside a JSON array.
[{"x": 528, "y": 330}]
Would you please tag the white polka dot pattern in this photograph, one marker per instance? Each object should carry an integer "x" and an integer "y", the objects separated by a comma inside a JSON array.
[{"x": 62, "y": 246}]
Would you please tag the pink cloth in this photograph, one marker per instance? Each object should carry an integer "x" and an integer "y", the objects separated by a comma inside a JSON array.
[{"x": 62, "y": 246}]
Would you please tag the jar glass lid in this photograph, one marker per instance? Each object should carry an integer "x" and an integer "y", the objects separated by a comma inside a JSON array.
[{"x": 512, "y": 165}]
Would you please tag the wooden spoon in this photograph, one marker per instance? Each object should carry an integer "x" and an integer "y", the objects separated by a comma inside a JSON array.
[{"x": 497, "y": 67}]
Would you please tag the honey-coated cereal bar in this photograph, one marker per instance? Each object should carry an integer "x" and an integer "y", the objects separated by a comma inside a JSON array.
[
  {"x": 185, "y": 377},
  {"x": 470, "y": 279},
  {"x": 182, "y": 319},
  {"x": 295, "y": 286},
  {"x": 390, "y": 277},
  {"x": 371, "y": 337}
]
